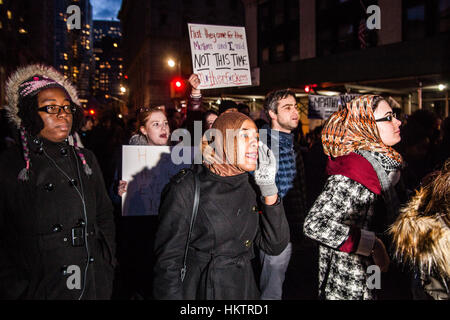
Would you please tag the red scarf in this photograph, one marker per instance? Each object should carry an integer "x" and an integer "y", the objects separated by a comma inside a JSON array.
[{"x": 357, "y": 168}]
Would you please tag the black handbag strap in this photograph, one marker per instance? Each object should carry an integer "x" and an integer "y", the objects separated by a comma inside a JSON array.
[{"x": 194, "y": 215}]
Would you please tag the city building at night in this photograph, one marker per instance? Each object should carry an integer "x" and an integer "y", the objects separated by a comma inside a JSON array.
[
  {"x": 36, "y": 31},
  {"x": 156, "y": 31},
  {"x": 81, "y": 51},
  {"x": 108, "y": 58},
  {"x": 327, "y": 44},
  {"x": 109, "y": 86},
  {"x": 25, "y": 29},
  {"x": 296, "y": 43}
]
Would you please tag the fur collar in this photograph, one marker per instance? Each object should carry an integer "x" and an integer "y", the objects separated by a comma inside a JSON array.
[
  {"x": 422, "y": 241},
  {"x": 24, "y": 73}
]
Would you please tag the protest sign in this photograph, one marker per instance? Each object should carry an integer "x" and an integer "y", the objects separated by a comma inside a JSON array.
[
  {"x": 147, "y": 169},
  {"x": 322, "y": 107},
  {"x": 219, "y": 55}
]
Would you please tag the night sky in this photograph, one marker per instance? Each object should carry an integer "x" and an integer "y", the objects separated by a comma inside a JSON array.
[{"x": 106, "y": 9}]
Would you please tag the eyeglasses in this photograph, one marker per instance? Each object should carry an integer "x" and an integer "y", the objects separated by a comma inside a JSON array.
[
  {"x": 55, "y": 109},
  {"x": 387, "y": 118}
]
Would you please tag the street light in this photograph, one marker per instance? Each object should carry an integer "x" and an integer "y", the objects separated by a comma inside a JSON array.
[
  {"x": 123, "y": 89},
  {"x": 171, "y": 63}
]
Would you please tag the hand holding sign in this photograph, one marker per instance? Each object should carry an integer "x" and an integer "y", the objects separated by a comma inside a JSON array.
[
  {"x": 219, "y": 56},
  {"x": 194, "y": 81},
  {"x": 122, "y": 187}
]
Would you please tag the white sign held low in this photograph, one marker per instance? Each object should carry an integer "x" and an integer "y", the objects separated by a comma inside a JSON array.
[{"x": 147, "y": 169}]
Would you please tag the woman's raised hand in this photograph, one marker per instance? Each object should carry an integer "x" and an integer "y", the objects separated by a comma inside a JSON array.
[
  {"x": 194, "y": 81},
  {"x": 266, "y": 171}
]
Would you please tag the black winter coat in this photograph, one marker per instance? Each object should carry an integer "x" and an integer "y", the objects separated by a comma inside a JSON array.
[
  {"x": 228, "y": 224},
  {"x": 37, "y": 257}
]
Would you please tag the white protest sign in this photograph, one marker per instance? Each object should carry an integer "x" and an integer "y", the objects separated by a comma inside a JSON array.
[
  {"x": 219, "y": 55},
  {"x": 147, "y": 169}
]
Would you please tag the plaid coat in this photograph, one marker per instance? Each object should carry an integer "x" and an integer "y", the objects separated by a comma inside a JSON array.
[{"x": 343, "y": 203}]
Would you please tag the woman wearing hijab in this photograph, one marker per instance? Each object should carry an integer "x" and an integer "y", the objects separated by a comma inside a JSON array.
[
  {"x": 229, "y": 222},
  {"x": 363, "y": 168}
]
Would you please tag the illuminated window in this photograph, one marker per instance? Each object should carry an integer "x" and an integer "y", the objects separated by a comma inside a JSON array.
[{"x": 9, "y": 14}]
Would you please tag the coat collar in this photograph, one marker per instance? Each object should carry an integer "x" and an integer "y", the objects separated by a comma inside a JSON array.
[{"x": 285, "y": 140}]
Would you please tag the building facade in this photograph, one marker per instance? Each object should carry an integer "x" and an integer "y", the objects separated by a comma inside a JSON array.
[
  {"x": 156, "y": 31},
  {"x": 108, "y": 59},
  {"x": 327, "y": 43},
  {"x": 24, "y": 36},
  {"x": 37, "y": 32}
]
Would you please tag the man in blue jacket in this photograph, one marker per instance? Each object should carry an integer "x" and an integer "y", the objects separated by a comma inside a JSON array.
[{"x": 281, "y": 110}]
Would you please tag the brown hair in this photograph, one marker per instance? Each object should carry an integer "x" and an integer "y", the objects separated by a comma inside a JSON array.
[
  {"x": 437, "y": 193},
  {"x": 144, "y": 113}
]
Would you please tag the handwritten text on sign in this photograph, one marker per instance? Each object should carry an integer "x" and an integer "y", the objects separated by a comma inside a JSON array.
[{"x": 219, "y": 55}]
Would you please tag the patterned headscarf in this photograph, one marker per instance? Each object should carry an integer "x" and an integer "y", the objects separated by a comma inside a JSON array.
[{"x": 354, "y": 128}]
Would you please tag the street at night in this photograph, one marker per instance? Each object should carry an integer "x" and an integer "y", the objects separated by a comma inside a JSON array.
[{"x": 253, "y": 151}]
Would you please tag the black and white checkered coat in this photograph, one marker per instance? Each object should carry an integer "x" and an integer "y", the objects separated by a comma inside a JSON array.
[{"x": 342, "y": 203}]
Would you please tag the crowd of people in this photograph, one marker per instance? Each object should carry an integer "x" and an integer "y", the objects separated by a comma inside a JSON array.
[{"x": 367, "y": 190}]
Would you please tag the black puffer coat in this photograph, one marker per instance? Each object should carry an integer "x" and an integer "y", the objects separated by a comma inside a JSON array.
[
  {"x": 36, "y": 220},
  {"x": 228, "y": 224}
]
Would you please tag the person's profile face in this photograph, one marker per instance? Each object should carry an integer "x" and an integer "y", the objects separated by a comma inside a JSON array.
[
  {"x": 286, "y": 118},
  {"x": 389, "y": 130}
]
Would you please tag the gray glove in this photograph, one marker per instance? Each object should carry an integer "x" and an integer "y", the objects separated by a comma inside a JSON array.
[{"x": 266, "y": 170}]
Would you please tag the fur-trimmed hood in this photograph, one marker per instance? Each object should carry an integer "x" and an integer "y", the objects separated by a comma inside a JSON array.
[
  {"x": 24, "y": 73},
  {"x": 422, "y": 241}
]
